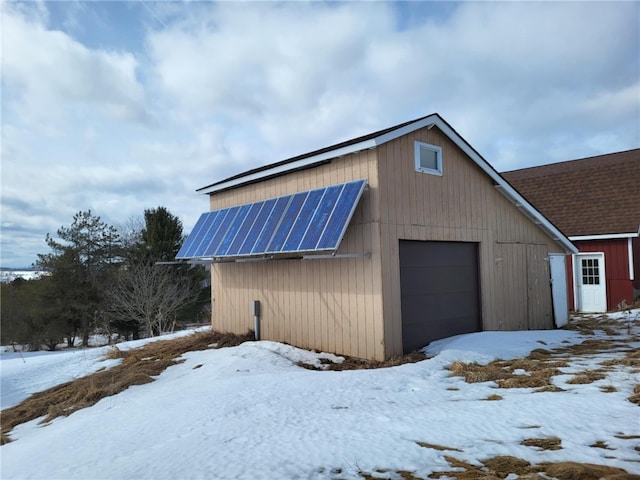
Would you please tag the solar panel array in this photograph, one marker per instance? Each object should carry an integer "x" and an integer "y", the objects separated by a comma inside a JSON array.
[{"x": 311, "y": 221}]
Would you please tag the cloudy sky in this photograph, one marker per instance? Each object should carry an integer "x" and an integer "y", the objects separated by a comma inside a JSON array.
[{"x": 122, "y": 106}]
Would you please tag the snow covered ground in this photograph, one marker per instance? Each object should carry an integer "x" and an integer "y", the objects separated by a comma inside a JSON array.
[{"x": 251, "y": 412}]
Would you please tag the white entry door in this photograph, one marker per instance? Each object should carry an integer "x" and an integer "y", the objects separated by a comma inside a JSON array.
[{"x": 590, "y": 280}]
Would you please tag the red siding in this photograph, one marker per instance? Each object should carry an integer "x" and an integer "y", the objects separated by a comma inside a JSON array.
[{"x": 616, "y": 264}]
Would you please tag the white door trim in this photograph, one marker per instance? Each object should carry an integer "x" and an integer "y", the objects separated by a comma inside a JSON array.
[
  {"x": 558, "y": 272},
  {"x": 578, "y": 295}
]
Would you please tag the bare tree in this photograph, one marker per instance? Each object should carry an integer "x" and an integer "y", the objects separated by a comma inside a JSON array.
[{"x": 149, "y": 295}]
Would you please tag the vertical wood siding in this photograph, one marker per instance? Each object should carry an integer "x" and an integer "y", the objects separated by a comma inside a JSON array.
[
  {"x": 333, "y": 305},
  {"x": 461, "y": 205}
]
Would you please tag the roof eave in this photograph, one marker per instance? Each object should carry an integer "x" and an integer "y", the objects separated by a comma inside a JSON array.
[
  {"x": 282, "y": 169},
  {"x": 605, "y": 236}
]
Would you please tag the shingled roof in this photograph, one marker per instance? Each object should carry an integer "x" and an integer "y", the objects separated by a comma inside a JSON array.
[{"x": 590, "y": 196}]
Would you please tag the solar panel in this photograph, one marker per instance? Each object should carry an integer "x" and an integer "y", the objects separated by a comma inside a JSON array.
[
  {"x": 286, "y": 222},
  {"x": 310, "y": 221}
]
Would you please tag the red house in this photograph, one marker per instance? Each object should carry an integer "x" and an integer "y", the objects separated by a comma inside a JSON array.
[{"x": 595, "y": 201}]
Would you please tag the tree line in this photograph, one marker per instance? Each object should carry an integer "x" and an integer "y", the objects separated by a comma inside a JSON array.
[{"x": 107, "y": 280}]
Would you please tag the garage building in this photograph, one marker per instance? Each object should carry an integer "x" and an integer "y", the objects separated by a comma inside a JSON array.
[{"x": 376, "y": 246}]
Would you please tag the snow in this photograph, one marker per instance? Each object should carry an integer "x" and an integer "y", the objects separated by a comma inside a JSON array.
[{"x": 251, "y": 412}]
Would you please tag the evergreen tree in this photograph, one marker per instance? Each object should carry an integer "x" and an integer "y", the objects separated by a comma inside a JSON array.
[{"x": 79, "y": 264}]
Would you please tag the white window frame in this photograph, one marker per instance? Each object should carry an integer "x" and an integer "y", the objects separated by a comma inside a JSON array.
[{"x": 433, "y": 148}]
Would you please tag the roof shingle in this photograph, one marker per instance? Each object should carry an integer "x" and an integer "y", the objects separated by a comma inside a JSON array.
[{"x": 590, "y": 196}]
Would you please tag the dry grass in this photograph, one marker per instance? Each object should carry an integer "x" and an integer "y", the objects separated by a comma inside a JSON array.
[
  {"x": 502, "y": 467},
  {"x": 587, "y": 376},
  {"x": 588, "y": 325},
  {"x": 138, "y": 367},
  {"x": 435, "y": 446},
  {"x": 550, "y": 443},
  {"x": 601, "y": 444},
  {"x": 585, "y": 471},
  {"x": 608, "y": 389},
  {"x": 539, "y": 371},
  {"x": 635, "y": 398},
  {"x": 353, "y": 363},
  {"x": 493, "y": 397}
]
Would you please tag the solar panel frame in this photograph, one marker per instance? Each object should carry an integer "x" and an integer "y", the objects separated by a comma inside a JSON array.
[
  {"x": 321, "y": 217},
  {"x": 311, "y": 221},
  {"x": 191, "y": 239},
  {"x": 340, "y": 217},
  {"x": 213, "y": 224}
]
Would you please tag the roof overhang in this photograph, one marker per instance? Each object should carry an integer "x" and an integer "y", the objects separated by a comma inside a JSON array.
[
  {"x": 429, "y": 121},
  {"x": 317, "y": 159},
  {"x": 606, "y": 236}
]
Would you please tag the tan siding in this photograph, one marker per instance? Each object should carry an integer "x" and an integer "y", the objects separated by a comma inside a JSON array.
[
  {"x": 333, "y": 305},
  {"x": 460, "y": 205}
]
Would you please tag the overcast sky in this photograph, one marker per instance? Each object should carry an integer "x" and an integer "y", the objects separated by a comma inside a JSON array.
[{"x": 122, "y": 106}]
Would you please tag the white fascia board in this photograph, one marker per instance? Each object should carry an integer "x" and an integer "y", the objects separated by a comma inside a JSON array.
[
  {"x": 339, "y": 152},
  {"x": 630, "y": 256},
  {"x": 606, "y": 236}
]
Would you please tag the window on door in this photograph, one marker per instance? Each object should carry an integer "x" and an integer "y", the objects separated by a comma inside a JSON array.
[{"x": 590, "y": 271}]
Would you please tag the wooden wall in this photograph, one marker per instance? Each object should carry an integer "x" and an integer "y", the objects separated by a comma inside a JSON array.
[
  {"x": 461, "y": 205},
  {"x": 333, "y": 305}
]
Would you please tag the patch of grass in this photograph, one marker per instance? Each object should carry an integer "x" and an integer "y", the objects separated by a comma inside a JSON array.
[
  {"x": 635, "y": 398},
  {"x": 550, "y": 443},
  {"x": 601, "y": 444},
  {"x": 435, "y": 446},
  {"x": 608, "y": 388},
  {"x": 139, "y": 366},
  {"x": 502, "y": 467},
  {"x": 587, "y": 376},
  {"x": 493, "y": 397},
  {"x": 353, "y": 363},
  {"x": 549, "y": 388},
  {"x": 539, "y": 369},
  {"x": 585, "y": 471}
]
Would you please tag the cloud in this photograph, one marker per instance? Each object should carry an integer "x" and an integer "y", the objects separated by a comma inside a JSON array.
[
  {"x": 50, "y": 73},
  {"x": 314, "y": 74}
]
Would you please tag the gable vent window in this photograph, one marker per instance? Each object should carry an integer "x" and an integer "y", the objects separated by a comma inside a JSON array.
[{"x": 428, "y": 158}]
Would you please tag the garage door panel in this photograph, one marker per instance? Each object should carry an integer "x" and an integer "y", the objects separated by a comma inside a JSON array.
[
  {"x": 439, "y": 255},
  {"x": 417, "y": 280},
  {"x": 439, "y": 291}
]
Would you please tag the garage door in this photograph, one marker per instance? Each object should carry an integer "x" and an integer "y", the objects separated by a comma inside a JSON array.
[{"x": 439, "y": 291}]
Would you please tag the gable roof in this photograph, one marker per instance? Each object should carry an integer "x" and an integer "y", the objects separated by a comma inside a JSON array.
[
  {"x": 375, "y": 139},
  {"x": 586, "y": 197}
]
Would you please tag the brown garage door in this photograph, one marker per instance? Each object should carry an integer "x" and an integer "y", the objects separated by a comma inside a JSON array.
[{"x": 439, "y": 291}]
